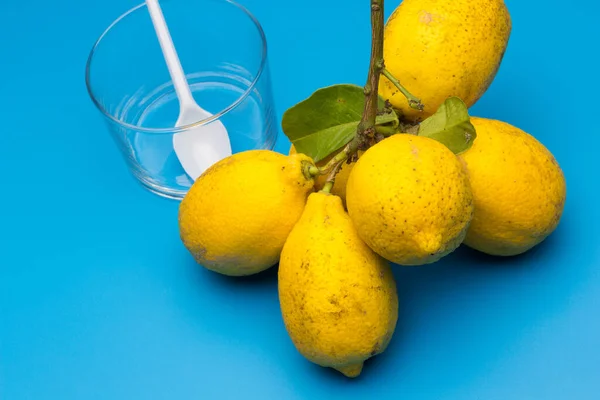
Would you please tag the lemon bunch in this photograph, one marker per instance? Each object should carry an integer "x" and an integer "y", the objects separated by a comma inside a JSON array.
[{"x": 404, "y": 181}]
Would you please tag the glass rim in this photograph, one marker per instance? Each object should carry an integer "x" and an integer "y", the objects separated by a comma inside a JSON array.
[{"x": 202, "y": 122}]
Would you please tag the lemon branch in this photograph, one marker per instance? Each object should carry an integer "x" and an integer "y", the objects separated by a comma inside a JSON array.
[
  {"x": 366, "y": 127},
  {"x": 413, "y": 102},
  {"x": 366, "y": 132}
]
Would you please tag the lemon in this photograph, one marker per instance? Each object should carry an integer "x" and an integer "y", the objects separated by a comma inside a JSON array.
[
  {"x": 410, "y": 200},
  {"x": 338, "y": 298},
  {"x": 443, "y": 48},
  {"x": 237, "y": 215},
  {"x": 519, "y": 189}
]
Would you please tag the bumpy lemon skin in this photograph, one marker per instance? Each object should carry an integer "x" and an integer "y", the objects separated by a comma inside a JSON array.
[
  {"x": 237, "y": 215},
  {"x": 518, "y": 187},
  {"x": 341, "y": 178},
  {"x": 338, "y": 298},
  {"x": 443, "y": 48},
  {"x": 410, "y": 200}
]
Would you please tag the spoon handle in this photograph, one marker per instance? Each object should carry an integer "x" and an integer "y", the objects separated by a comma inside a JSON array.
[{"x": 166, "y": 43}]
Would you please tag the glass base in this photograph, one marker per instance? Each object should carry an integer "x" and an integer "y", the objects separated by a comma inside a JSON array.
[{"x": 159, "y": 190}]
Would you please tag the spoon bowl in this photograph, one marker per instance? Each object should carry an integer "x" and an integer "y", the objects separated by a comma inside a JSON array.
[{"x": 202, "y": 146}]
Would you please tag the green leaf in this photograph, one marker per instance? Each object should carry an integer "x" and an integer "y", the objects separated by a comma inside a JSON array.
[
  {"x": 328, "y": 120},
  {"x": 450, "y": 125}
]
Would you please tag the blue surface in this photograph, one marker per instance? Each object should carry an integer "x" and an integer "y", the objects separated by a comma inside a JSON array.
[{"x": 99, "y": 299}]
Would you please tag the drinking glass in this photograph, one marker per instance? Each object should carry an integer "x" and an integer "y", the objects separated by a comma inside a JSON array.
[{"x": 223, "y": 51}]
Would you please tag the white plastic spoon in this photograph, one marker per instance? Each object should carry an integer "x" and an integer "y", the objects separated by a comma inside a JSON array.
[{"x": 202, "y": 146}]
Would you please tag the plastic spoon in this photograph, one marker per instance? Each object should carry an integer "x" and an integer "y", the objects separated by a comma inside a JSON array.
[{"x": 200, "y": 147}]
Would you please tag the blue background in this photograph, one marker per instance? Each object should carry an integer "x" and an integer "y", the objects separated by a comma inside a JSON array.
[{"x": 99, "y": 299}]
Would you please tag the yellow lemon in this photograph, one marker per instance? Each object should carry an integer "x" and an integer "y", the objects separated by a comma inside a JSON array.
[
  {"x": 237, "y": 215},
  {"x": 443, "y": 48},
  {"x": 518, "y": 188},
  {"x": 338, "y": 298},
  {"x": 341, "y": 179},
  {"x": 410, "y": 200}
]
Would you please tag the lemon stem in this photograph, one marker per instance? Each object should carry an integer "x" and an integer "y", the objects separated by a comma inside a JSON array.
[
  {"x": 327, "y": 187},
  {"x": 331, "y": 178},
  {"x": 309, "y": 170},
  {"x": 313, "y": 171},
  {"x": 343, "y": 155},
  {"x": 413, "y": 102},
  {"x": 386, "y": 130}
]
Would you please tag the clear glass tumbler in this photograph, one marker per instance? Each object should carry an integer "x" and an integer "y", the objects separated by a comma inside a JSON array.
[{"x": 223, "y": 51}]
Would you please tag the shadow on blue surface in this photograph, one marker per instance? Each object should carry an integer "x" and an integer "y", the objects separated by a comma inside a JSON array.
[
  {"x": 267, "y": 277},
  {"x": 483, "y": 307},
  {"x": 466, "y": 275}
]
